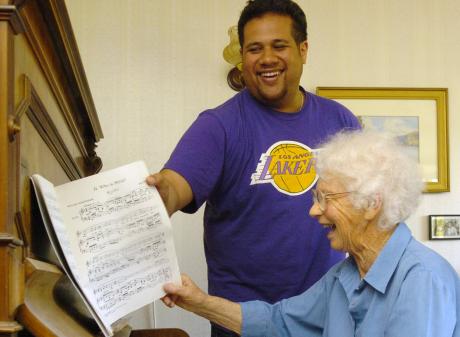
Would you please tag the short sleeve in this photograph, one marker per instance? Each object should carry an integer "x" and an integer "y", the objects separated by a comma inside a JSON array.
[
  {"x": 199, "y": 157},
  {"x": 349, "y": 120}
]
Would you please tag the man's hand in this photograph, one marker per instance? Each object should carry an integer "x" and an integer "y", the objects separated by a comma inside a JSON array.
[{"x": 174, "y": 190}]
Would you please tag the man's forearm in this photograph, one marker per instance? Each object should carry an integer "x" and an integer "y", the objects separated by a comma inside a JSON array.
[{"x": 179, "y": 192}]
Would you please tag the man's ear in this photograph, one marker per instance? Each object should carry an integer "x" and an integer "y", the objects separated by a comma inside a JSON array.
[
  {"x": 374, "y": 207},
  {"x": 303, "y": 48}
]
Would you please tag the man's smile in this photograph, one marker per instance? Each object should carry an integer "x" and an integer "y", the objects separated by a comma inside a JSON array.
[{"x": 269, "y": 75}]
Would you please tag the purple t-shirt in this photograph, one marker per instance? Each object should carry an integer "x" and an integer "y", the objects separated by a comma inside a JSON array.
[{"x": 254, "y": 168}]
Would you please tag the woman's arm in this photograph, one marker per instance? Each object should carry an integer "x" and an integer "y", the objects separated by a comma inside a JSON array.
[{"x": 216, "y": 309}]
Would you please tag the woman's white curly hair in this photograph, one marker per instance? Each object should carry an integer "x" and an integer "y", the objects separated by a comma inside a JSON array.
[{"x": 373, "y": 164}]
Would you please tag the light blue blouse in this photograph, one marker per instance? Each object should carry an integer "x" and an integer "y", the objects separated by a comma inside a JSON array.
[{"x": 410, "y": 291}]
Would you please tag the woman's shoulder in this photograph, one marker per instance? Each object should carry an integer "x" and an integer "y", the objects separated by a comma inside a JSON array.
[{"x": 418, "y": 258}]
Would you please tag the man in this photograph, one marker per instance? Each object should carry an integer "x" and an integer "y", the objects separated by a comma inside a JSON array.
[{"x": 251, "y": 161}]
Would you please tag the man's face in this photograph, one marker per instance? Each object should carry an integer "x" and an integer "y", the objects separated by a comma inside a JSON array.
[{"x": 273, "y": 61}]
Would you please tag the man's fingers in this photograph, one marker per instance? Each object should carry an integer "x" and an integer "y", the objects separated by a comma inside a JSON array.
[{"x": 151, "y": 180}]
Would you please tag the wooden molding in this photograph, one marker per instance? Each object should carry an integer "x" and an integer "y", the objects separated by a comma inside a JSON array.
[
  {"x": 14, "y": 120},
  {"x": 32, "y": 105},
  {"x": 33, "y": 265},
  {"x": 49, "y": 32},
  {"x": 10, "y": 13},
  {"x": 9, "y": 327},
  {"x": 7, "y": 239},
  {"x": 161, "y": 332}
]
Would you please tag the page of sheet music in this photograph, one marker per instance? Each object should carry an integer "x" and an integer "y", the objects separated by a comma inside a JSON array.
[
  {"x": 56, "y": 229},
  {"x": 52, "y": 214},
  {"x": 121, "y": 237}
]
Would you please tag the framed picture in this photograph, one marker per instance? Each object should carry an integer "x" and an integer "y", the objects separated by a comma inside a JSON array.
[
  {"x": 444, "y": 227},
  {"x": 418, "y": 117}
]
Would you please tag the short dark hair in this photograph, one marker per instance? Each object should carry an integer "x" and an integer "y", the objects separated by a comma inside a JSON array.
[{"x": 258, "y": 8}]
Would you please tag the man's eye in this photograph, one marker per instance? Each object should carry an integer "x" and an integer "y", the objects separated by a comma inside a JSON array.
[
  {"x": 280, "y": 46},
  {"x": 253, "y": 49}
]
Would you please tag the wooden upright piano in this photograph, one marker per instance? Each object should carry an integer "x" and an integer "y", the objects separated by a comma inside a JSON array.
[{"x": 48, "y": 125}]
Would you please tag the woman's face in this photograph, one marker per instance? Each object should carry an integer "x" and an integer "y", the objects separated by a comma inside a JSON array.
[{"x": 346, "y": 223}]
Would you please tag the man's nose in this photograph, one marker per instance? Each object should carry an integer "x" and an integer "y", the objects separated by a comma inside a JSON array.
[{"x": 268, "y": 56}]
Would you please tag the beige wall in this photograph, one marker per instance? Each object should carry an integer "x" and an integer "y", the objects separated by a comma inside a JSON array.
[{"x": 154, "y": 65}]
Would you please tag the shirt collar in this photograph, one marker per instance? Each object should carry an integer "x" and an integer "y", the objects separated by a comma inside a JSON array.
[
  {"x": 255, "y": 104},
  {"x": 384, "y": 266}
]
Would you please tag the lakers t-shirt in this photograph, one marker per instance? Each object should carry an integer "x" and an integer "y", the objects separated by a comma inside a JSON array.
[{"x": 254, "y": 169}]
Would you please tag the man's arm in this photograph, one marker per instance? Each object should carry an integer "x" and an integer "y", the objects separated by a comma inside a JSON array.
[
  {"x": 216, "y": 309},
  {"x": 173, "y": 188}
]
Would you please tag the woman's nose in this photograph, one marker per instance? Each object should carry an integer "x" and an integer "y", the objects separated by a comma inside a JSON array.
[{"x": 315, "y": 210}]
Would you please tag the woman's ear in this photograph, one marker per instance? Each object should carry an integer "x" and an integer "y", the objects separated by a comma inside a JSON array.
[{"x": 374, "y": 207}]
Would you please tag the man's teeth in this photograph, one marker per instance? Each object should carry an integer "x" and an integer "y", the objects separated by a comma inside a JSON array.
[{"x": 271, "y": 74}]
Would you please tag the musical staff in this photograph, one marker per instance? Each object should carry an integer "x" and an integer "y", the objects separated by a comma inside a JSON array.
[
  {"x": 109, "y": 233},
  {"x": 112, "y": 293},
  {"x": 106, "y": 264},
  {"x": 99, "y": 209}
]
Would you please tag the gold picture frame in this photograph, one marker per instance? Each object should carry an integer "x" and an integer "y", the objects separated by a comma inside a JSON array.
[{"x": 420, "y": 114}]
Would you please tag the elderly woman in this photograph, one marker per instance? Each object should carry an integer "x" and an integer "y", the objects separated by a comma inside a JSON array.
[{"x": 390, "y": 284}]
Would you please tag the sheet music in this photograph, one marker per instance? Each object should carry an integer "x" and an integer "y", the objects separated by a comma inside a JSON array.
[
  {"x": 55, "y": 228},
  {"x": 120, "y": 237}
]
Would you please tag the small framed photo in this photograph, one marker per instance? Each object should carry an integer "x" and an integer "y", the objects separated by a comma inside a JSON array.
[{"x": 444, "y": 227}]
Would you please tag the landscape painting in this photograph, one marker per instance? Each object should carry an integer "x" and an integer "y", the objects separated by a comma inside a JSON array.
[{"x": 404, "y": 128}]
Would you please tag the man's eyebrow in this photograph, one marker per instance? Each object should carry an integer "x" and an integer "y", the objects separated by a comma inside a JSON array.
[
  {"x": 256, "y": 43},
  {"x": 280, "y": 40}
]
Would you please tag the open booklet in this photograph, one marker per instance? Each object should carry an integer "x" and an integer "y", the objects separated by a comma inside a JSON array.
[{"x": 113, "y": 238}]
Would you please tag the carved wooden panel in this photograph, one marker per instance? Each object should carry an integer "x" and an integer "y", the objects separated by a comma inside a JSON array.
[{"x": 48, "y": 124}]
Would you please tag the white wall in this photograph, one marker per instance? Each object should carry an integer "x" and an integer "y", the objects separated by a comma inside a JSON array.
[{"x": 154, "y": 65}]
